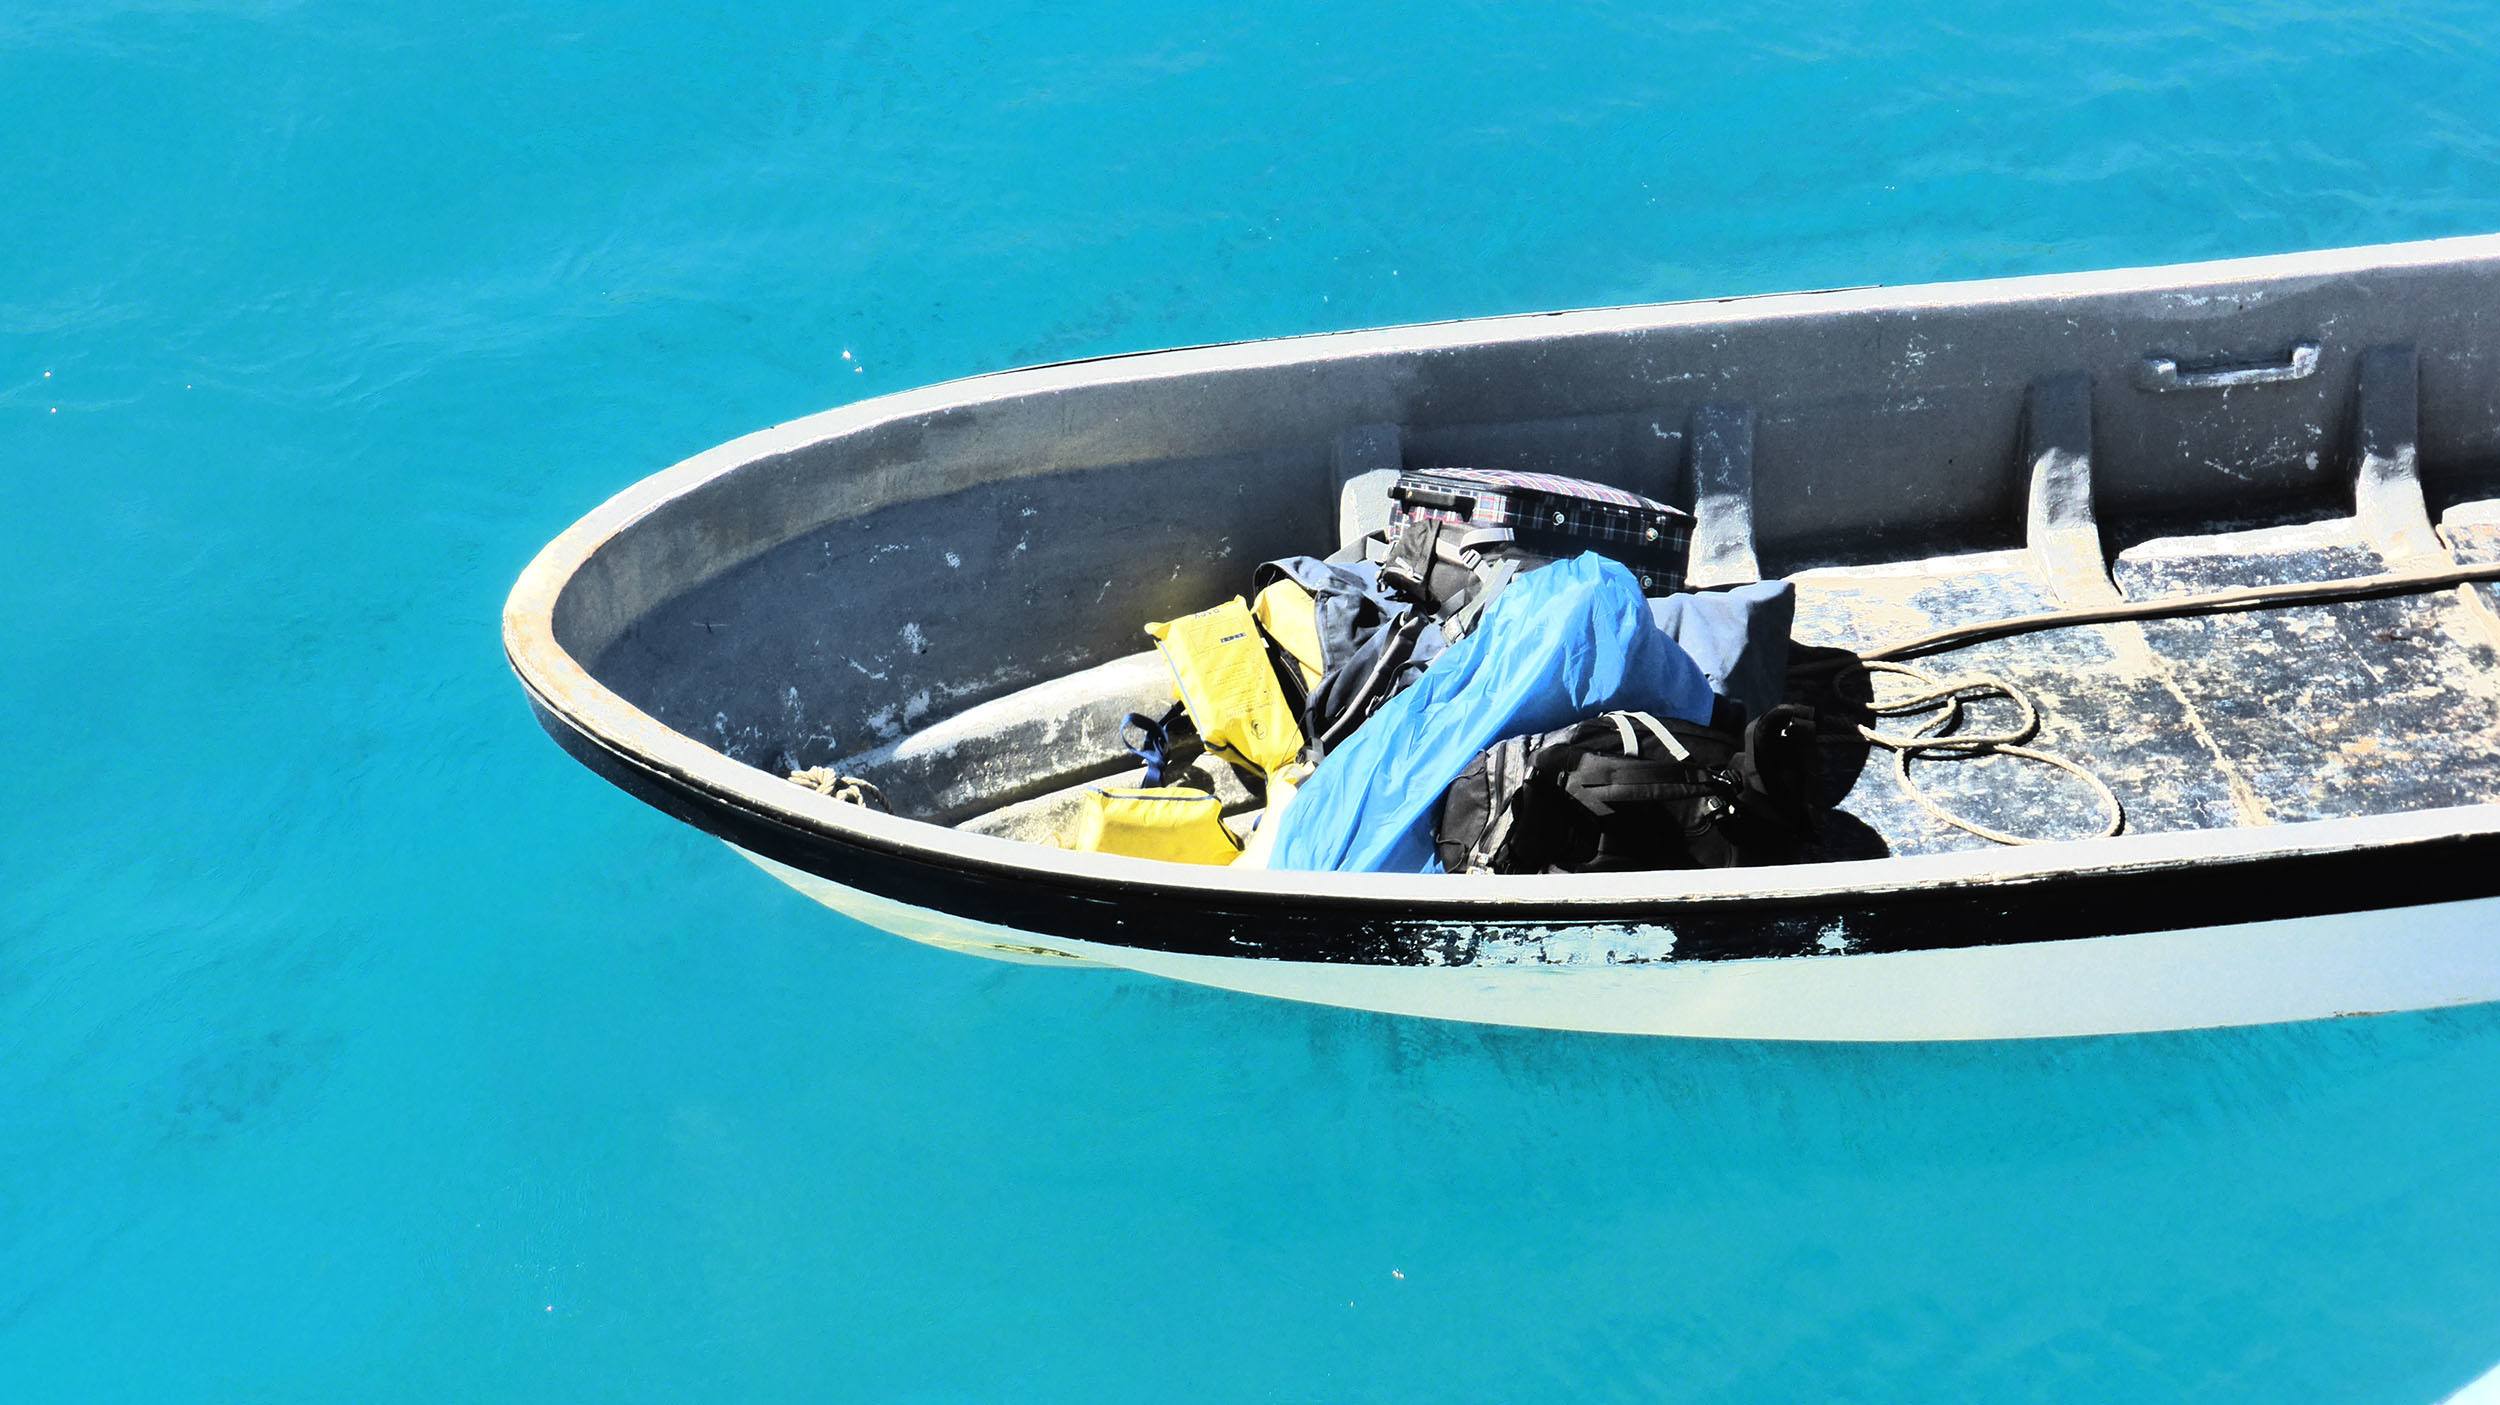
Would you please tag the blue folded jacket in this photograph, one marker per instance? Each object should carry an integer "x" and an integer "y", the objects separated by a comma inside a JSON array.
[{"x": 1739, "y": 637}]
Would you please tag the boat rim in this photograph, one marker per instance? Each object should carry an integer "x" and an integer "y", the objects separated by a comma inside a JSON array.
[{"x": 566, "y": 691}]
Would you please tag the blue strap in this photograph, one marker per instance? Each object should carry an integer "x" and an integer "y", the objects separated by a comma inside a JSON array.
[{"x": 1155, "y": 740}]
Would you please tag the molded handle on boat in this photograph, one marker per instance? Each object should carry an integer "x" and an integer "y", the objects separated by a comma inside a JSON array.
[{"x": 2163, "y": 373}]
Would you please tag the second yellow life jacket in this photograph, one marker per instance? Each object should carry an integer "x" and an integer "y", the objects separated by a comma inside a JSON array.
[{"x": 1170, "y": 822}]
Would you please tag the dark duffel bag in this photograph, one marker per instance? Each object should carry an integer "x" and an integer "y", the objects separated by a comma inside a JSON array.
[{"x": 1629, "y": 791}]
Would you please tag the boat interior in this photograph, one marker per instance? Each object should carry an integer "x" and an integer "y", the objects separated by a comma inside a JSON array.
[{"x": 944, "y": 593}]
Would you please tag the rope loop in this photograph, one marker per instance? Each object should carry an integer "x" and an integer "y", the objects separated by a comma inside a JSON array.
[
  {"x": 1939, "y": 738},
  {"x": 850, "y": 790}
]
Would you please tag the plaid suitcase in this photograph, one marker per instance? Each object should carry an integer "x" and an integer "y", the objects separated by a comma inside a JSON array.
[{"x": 1554, "y": 516}]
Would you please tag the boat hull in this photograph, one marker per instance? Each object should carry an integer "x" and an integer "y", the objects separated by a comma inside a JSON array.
[
  {"x": 2316, "y": 937},
  {"x": 914, "y": 591},
  {"x": 2358, "y": 963}
]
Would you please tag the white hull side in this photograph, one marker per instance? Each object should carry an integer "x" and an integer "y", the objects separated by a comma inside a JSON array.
[{"x": 2409, "y": 958}]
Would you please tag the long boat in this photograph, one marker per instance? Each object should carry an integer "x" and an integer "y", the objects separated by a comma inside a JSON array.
[{"x": 2232, "y": 525}]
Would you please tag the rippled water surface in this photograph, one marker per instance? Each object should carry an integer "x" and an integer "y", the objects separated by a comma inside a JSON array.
[{"x": 355, "y": 1045}]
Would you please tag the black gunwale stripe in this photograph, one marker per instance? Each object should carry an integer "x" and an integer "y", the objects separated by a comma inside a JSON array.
[{"x": 1118, "y": 913}]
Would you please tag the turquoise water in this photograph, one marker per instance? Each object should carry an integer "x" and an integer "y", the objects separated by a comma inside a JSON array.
[{"x": 355, "y": 1045}]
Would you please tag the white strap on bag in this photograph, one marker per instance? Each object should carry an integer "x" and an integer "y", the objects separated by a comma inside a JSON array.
[{"x": 1656, "y": 728}]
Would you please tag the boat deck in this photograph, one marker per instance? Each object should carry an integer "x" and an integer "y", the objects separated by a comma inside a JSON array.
[{"x": 2268, "y": 716}]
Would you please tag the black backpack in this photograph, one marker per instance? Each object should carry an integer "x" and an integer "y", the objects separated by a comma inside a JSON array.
[{"x": 1629, "y": 791}]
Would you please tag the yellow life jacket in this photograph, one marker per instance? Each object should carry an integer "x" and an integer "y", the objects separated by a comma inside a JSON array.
[
  {"x": 1291, "y": 618},
  {"x": 1170, "y": 822},
  {"x": 1220, "y": 670}
]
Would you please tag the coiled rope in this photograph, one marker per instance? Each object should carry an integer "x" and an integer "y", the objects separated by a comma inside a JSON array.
[{"x": 1937, "y": 738}]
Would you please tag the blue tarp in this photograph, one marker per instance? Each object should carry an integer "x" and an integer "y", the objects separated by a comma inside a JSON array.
[{"x": 1559, "y": 644}]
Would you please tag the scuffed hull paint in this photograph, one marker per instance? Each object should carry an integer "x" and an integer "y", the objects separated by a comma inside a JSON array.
[{"x": 2412, "y": 958}]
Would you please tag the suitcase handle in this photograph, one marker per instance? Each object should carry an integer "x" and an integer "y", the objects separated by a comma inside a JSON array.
[{"x": 1464, "y": 504}]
